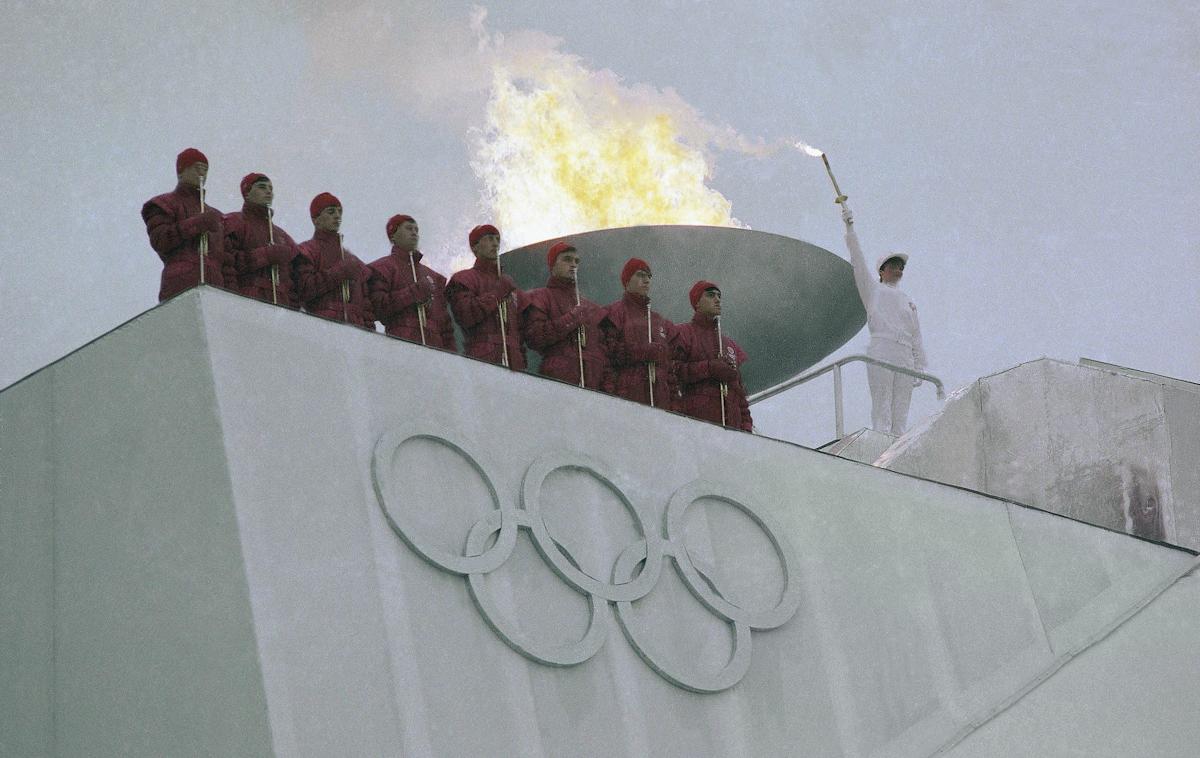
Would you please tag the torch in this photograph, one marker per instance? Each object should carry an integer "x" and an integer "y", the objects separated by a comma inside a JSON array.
[
  {"x": 274, "y": 266},
  {"x": 814, "y": 152}
]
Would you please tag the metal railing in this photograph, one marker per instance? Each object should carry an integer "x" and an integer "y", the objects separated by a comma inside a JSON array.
[{"x": 836, "y": 368}]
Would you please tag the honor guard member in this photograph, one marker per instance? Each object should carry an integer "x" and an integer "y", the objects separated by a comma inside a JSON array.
[
  {"x": 482, "y": 298},
  {"x": 706, "y": 361},
  {"x": 636, "y": 341},
  {"x": 895, "y": 332},
  {"x": 262, "y": 252},
  {"x": 330, "y": 280},
  {"x": 406, "y": 295},
  {"x": 179, "y": 230},
  {"x": 564, "y": 327}
]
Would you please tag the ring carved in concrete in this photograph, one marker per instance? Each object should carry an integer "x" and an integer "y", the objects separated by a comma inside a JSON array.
[{"x": 626, "y": 584}]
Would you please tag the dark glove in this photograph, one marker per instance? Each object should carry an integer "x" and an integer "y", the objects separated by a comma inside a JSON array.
[
  {"x": 719, "y": 369},
  {"x": 208, "y": 221},
  {"x": 505, "y": 286},
  {"x": 211, "y": 221},
  {"x": 650, "y": 352},
  {"x": 489, "y": 302},
  {"x": 280, "y": 255},
  {"x": 348, "y": 269},
  {"x": 424, "y": 292}
]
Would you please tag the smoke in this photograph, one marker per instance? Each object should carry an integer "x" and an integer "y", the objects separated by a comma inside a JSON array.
[{"x": 556, "y": 146}]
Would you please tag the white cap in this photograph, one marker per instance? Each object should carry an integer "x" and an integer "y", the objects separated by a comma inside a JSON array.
[{"x": 887, "y": 257}]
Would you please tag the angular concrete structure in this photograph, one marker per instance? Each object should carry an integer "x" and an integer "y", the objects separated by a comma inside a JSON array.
[
  {"x": 231, "y": 529},
  {"x": 1099, "y": 443}
]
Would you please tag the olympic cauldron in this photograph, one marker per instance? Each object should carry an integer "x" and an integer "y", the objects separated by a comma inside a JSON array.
[{"x": 787, "y": 303}]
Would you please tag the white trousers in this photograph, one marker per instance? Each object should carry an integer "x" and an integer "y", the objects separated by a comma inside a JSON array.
[{"x": 891, "y": 393}]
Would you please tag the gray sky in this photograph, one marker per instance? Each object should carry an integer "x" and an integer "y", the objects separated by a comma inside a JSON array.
[{"x": 1038, "y": 161}]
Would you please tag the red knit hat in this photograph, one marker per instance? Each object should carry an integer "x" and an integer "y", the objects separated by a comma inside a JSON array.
[
  {"x": 632, "y": 266},
  {"x": 557, "y": 249},
  {"x": 187, "y": 158},
  {"x": 395, "y": 221},
  {"x": 249, "y": 179},
  {"x": 481, "y": 230},
  {"x": 321, "y": 202},
  {"x": 698, "y": 289}
]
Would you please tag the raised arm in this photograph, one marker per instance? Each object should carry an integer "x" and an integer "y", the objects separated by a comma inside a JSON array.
[{"x": 864, "y": 279}]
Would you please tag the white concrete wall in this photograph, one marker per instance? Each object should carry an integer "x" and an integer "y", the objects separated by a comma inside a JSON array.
[
  {"x": 125, "y": 614},
  {"x": 1085, "y": 442},
  {"x": 256, "y": 598}
]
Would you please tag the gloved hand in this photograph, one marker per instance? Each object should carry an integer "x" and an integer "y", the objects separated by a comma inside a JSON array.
[
  {"x": 847, "y": 216},
  {"x": 580, "y": 314},
  {"x": 424, "y": 290},
  {"x": 721, "y": 370},
  {"x": 208, "y": 221},
  {"x": 489, "y": 302},
  {"x": 348, "y": 269},
  {"x": 916, "y": 382},
  {"x": 505, "y": 286},
  {"x": 650, "y": 352},
  {"x": 280, "y": 255}
]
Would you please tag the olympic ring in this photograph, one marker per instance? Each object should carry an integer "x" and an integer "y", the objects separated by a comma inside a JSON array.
[{"x": 622, "y": 589}]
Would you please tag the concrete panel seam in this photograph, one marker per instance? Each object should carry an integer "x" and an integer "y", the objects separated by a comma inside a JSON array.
[
  {"x": 198, "y": 304},
  {"x": 1062, "y": 660}
]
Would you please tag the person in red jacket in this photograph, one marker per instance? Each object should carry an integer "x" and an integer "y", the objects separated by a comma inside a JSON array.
[
  {"x": 262, "y": 252},
  {"x": 639, "y": 354},
  {"x": 406, "y": 295},
  {"x": 481, "y": 297},
  {"x": 330, "y": 280},
  {"x": 702, "y": 366},
  {"x": 564, "y": 326},
  {"x": 176, "y": 225}
]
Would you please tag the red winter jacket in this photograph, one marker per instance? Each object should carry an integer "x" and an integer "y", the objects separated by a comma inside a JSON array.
[
  {"x": 174, "y": 225},
  {"x": 551, "y": 327},
  {"x": 699, "y": 374},
  {"x": 319, "y": 270},
  {"x": 475, "y": 295},
  {"x": 394, "y": 298},
  {"x": 630, "y": 350},
  {"x": 249, "y": 243}
]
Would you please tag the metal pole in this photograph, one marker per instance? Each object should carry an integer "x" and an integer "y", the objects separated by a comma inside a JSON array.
[
  {"x": 651, "y": 374},
  {"x": 345, "y": 284},
  {"x": 837, "y": 401},
  {"x": 721, "y": 355},
  {"x": 502, "y": 312},
  {"x": 203, "y": 245},
  {"x": 420, "y": 306},
  {"x": 581, "y": 335},
  {"x": 274, "y": 266}
]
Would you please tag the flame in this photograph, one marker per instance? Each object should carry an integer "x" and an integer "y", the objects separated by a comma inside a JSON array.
[
  {"x": 809, "y": 149},
  {"x": 568, "y": 150}
]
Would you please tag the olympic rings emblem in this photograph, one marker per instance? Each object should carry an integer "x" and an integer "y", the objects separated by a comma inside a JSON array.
[{"x": 622, "y": 590}]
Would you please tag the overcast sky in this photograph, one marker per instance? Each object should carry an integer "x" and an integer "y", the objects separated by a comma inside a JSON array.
[{"x": 1038, "y": 161}]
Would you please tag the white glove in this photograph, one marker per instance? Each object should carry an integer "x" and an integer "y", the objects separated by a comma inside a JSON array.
[
  {"x": 916, "y": 382},
  {"x": 847, "y": 216}
]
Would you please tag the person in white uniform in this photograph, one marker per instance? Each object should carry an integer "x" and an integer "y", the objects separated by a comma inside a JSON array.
[{"x": 895, "y": 332}]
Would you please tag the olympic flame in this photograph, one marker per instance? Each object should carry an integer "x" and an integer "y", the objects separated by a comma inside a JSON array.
[{"x": 568, "y": 150}]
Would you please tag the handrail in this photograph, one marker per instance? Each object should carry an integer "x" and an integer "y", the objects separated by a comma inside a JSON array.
[{"x": 836, "y": 368}]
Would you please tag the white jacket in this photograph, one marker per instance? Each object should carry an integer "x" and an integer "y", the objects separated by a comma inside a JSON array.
[{"x": 891, "y": 314}]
